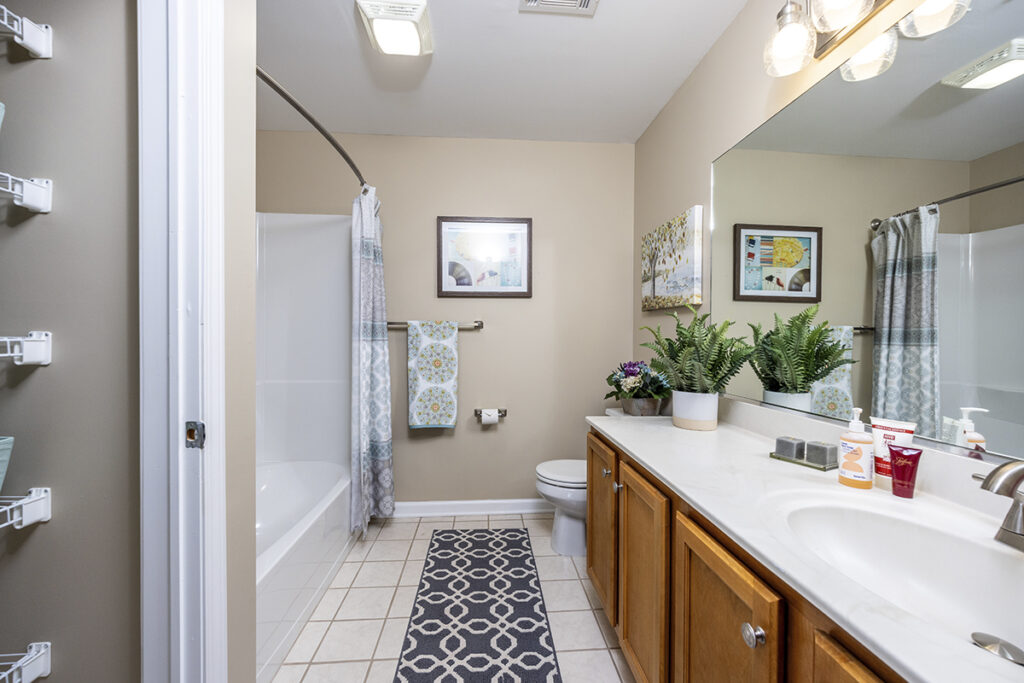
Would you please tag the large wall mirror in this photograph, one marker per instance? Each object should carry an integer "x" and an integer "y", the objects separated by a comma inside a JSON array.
[{"x": 847, "y": 153}]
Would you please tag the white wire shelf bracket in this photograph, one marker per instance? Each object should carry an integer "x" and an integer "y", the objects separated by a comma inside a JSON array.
[
  {"x": 36, "y": 38},
  {"x": 34, "y": 349},
  {"x": 34, "y": 194},
  {"x": 22, "y": 511},
  {"x": 25, "y": 667}
]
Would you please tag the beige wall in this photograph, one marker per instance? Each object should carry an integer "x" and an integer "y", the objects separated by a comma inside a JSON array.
[
  {"x": 75, "y": 580},
  {"x": 1005, "y": 206},
  {"x": 545, "y": 358},
  {"x": 840, "y": 194},
  {"x": 726, "y": 97}
]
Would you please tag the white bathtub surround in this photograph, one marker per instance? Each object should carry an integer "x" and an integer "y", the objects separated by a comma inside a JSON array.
[
  {"x": 762, "y": 504},
  {"x": 695, "y": 411},
  {"x": 801, "y": 402}
]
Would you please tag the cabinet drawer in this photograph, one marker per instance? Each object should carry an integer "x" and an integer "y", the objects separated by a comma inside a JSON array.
[
  {"x": 834, "y": 664},
  {"x": 602, "y": 523}
]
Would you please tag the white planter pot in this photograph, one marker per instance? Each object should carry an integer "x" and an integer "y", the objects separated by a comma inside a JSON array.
[
  {"x": 695, "y": 411},
  {"x": 800, "y": 402}
]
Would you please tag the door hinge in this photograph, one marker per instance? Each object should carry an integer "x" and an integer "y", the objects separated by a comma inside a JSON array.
[{"x": 195, "y": 435}]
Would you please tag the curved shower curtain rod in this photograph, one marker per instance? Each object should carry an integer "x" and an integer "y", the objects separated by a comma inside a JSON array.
[{"x": 287, "y": 97}]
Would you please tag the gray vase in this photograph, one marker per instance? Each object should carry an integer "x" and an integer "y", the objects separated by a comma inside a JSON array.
[{"x": 643, "y": 407}]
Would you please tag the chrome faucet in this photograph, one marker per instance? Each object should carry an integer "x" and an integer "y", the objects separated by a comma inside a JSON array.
[{"x": 1006, "y": 480}]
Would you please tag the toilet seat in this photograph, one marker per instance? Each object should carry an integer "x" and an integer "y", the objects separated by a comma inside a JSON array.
[{"x": 567, "y": 474}]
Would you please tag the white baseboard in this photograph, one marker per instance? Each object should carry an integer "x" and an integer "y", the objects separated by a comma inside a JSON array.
[{"x": 439, "y": 508}]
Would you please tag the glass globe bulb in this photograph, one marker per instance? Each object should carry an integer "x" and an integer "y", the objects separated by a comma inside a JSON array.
[
  {"x": 791, "y": 46},
  {"x": 874, "y": 59},
  {"x": 832, "y": 15},
  {"x": 932, "y": 16}
]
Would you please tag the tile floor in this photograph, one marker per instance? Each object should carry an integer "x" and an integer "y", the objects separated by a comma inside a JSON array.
[{"x": 355, "y": 634}]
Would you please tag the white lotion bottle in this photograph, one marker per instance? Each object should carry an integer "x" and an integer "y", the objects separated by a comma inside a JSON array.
[
  {"x": 857, "y": 455},
  {"x": 970, "y": 438}
]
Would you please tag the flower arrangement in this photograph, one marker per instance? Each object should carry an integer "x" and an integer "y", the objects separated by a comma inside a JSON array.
[{"x": 635, "y": 379}]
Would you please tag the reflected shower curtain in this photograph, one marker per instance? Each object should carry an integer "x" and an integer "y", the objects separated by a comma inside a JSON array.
[
  {"x": 373, "y": 487},
  {"x": 906, "y": 353}
]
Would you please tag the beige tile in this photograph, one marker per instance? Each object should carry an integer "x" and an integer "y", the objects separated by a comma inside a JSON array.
[
  {"x": 403, "y": 520},
  {"x": 366, "y": 603},
  {"x": 539, "y": 527},
  {"x": 581, "y": 566},
  {"x": 358, "y": 551},
  {"x": 587, "y": 667},
  {"x": 307, "y": 642},
  {"x": 564, "y": 596},
  {"x": 337, "y": 672},
  {"x": 372, "y": 532},
  {"x": 378, "y": 574},
  {"x": 470, "y": 518},
  {"x": 426, "y": 529},
  {"x": 290, "y": 673},
  {"x": 328, "y": 604},
  {"x": 343, "y": 579},
  {"x": 401, "y": 604},
  {"x": 574, "y": 631},
  {"x": 588, "y": 588},
  {"x": 398, "y": 532},
  {"x": 473, "y": 524},
  {"x": 538, "y": 515},
  {"x": 610, "y": 639},
  {"x": 382, "y": 671},
  {"x": 418, "y": 551},
  {"x": 505, "y": 524},
  {"x": 622, "y": 667},
  {"x": 391, "y": 638},
  {"x": 383, "y": 551},
  {"x": 349, "y": 640},
  {"x": 555, "y": 568},
  {"x": 442, "y": 518},
  {"x": 541, "y": 546},
  {"x": 411, "y": 573},
  {"x": 495, "y": 518}
]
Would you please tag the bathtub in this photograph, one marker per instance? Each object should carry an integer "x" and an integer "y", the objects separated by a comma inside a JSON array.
[{"x": 302, "y": 535}]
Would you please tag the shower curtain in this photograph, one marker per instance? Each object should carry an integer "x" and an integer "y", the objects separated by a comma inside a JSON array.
[
  {"x": 373, "y": 487},
  {"x": 906, "y": 353}
]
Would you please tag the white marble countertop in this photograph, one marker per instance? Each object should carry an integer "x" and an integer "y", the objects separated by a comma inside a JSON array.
[{"x": 727, "y": 476}]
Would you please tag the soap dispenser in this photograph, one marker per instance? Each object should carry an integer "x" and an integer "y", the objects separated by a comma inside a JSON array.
[
  {"x": 970, "y": 438},
  {"x": 856, "y": 455}
]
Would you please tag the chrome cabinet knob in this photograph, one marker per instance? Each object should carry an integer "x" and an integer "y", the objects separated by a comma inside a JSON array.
[
  {"x": 753, "y": 635},
  {"x": 605, "y": 472},
  {"x": 616, "y": 486}
]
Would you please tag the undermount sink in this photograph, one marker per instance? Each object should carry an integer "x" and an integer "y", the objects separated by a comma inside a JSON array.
[{"x": 931, "y": 559}]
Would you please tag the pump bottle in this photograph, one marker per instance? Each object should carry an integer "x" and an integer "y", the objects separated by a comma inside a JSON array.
[{"x": 856, "y": 455}]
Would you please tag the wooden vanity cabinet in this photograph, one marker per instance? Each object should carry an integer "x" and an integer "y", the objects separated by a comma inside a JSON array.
[
  {"x": 602, "y": 524},
  {"x": 834, "y": 664}
]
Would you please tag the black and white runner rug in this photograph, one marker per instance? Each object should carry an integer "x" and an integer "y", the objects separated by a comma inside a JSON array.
[{"x": 479, "y": 614}]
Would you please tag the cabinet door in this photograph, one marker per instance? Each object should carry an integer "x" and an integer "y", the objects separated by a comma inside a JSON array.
[
  {"x": 602, "y": 520},
  {"x": 833, "y": 664},
  {"x": 719, "y": 607},
  {"x": 644, "y": 547}
]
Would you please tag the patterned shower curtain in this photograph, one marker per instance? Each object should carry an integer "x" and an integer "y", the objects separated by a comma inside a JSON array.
[
  {"x": 906, "y": 353},
  {"x": 373, "y": 487}
]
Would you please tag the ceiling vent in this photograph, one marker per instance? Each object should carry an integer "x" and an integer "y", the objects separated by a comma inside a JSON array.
[
  {"x": 580, "y": 8},
  {"x": 997, "y": 67}
]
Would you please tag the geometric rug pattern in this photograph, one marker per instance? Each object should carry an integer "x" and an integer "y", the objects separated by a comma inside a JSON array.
[{"x": 479, "y": 613}]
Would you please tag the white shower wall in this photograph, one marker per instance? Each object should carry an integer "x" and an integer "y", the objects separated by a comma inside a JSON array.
[{"x": 981, "y": 278}]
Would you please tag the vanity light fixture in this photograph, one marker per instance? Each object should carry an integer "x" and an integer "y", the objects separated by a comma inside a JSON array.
[
  {"x": 933, "y": 16},
  {"x": 397, "y": 27},
  {"x": 873, "y": 59},
  {"x": 833, "y": 15},
  {"x": 997, "y": 67},
  {"x": 791, "y": 45}
]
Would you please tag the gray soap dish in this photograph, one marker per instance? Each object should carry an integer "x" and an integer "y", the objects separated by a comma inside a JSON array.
[{"x": 805, "y": 463}]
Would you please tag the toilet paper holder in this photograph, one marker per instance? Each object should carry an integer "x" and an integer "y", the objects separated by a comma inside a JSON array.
[{"x": 502, "y": 412}]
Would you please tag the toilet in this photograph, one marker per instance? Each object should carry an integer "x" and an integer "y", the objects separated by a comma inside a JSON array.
[{"x": 563, "y": 483}]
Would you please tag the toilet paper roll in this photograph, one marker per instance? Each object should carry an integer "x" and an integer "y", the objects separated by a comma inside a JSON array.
[{"x": 489, "y": 416}]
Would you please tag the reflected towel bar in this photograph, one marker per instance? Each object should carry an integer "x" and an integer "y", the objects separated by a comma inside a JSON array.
[{"x": 475, "y": 325}]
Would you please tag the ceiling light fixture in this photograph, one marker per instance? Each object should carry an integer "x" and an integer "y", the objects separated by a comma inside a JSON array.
[
  {"x": 833, "y": 15},
  {"x": 873, "y": 59},
  {"x": 932, "y": 16},
  {"x": 791, "y": 44},
  {"x": 397, "y": 27},
  {"x": 997, "y": 67}
]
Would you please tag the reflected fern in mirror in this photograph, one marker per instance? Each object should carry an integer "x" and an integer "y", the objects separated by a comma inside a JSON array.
[
  {"x": 793, "y": 355},
  {"x": 702, "y": 358}
]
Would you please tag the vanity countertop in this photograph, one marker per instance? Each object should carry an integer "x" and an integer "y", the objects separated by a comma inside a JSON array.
[{"x": 727, "y": 476}]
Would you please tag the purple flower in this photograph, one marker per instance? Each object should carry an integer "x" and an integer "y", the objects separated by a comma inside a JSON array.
[{"x": 634, "y": 368}]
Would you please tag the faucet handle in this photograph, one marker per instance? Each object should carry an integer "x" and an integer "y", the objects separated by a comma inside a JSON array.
[{"x": 1005, "y": 479}]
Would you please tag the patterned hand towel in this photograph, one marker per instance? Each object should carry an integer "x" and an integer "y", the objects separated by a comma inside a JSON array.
[
  {"x": 433, "y": 373},
  {"x": 833, "y": 395}
]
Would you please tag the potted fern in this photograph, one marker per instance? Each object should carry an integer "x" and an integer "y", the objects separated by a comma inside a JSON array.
[
  {"x": 792, "y": 356},
  {"x": 698, "y": 363}
]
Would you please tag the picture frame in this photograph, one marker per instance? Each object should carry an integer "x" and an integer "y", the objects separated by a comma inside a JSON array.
[
  {"x": 484, "y": 257},
  {"x": 776, "y": 263},
  {"x": 671, "y": 261}
]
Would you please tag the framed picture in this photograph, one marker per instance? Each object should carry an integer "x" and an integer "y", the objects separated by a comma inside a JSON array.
[
  {"x": 484, "y": 257},
  {"x": 670, "y": 262},
  {"x": 776, "y": 263}
]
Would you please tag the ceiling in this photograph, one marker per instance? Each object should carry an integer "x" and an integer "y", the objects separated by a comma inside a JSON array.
[
  {"x": 495, "y": 73},
  {"x": 907, "y": 112}
]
